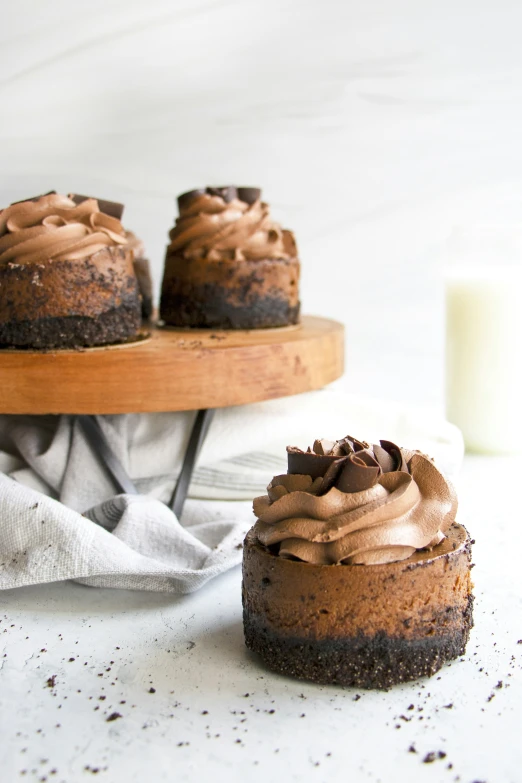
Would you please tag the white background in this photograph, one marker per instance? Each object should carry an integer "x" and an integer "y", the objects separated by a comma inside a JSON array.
[{"x": 374, "y": 127}]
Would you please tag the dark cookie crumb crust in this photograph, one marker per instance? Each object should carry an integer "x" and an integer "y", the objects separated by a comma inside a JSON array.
[
  {"x": 229, "y": 294},
  {"x": 212, "y": 309},
  {"x": 377, "y": 662},
  {"x": 113, "y": 326}
]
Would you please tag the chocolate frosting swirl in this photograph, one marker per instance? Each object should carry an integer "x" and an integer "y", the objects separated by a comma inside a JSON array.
[
  {"x": 217, "y": 224},
  {"x": 349, "y": 502},
  {"x": 53, "y": 227}
]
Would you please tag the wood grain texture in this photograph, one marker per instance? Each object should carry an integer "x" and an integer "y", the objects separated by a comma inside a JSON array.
[{"x": 175, "y": 369}]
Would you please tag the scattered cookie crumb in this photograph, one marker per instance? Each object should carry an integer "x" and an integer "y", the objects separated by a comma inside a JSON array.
[{"x": 432, "y": 756}]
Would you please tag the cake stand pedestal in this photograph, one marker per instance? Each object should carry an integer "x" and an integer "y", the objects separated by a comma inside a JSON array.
[{"x": 172, "y": 370}]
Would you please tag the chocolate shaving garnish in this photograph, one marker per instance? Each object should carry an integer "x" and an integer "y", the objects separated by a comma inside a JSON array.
[
  {"x": 399, "y": 463},
  {"x": 249, "y": 195},
  {"x": 34, "y": 198},
  {"x": 368, "y": 458},
  {"x": 186, "y": 198},
  {"x": 308, "y": 463},
  {"x": 358, "y": 473},
  {"x": 384, "y": 458},
  {"x": 226, "y": 192},
  {"x": 112, "y": 208},
  {"x": 350, "y": 445},
  {"x": 349, "y": 465},
  {"x": 325, "y": 447},
  {"x": 332, "y": 474}
]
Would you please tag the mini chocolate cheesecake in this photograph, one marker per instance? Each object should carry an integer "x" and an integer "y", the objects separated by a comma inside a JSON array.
[
  {"x": 228, "y": 265},
  {"x": 356, "y": 573},
  {"x": 66, "y": 275}
]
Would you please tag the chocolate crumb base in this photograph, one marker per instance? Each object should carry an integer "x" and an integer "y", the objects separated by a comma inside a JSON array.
[
  {"x": 113, "y": 326},
  {"x": 213, "y": 311},
  {"x": 377, "y": 662}
]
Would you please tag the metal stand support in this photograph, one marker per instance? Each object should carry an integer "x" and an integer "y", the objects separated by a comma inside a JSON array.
[
  {"x": 122, "y": 480},
  {"x": 197, "y": 437},
  {"x": 101, "y": 447}
]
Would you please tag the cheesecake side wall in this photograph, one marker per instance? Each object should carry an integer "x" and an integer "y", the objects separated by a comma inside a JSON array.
[
  {"x": 238, "y": 294},
  {"x": 57, "y": 289},
  {"x": 416, "y": 598}
]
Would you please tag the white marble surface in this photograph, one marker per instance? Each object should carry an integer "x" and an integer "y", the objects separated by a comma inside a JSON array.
[
  {"x": 374, "y": 127},
  {"x": 217, "y": 713}
]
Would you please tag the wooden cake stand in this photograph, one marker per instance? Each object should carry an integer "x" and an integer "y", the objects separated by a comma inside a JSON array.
[
  {"x": 171, "y": 370},
  {"x": 174, "y": 370}
]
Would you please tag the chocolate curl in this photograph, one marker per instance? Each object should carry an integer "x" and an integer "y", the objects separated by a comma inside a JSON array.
[
  {"x": 360, "y": 471},
  {"x": 249, "y": 195},
  {"x": 308, "y": 463},
  {"x": 227, "y": 192},
  {"x": 389, "y": 453},
  {"x": 112, "y": 208},
  {"x": 351, "y": 445},
  {"x": 187, "y": 198},
  {"x": 329, "y": 448},
  {"x": 384, "y": 458},
  {"x": 332, "y": 474}
]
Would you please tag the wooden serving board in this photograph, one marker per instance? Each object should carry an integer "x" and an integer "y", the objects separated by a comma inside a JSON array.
[{"x": 174, "y": 370}]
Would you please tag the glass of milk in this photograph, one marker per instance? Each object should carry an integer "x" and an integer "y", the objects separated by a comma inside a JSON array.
[{"x": 483, "y": 293}]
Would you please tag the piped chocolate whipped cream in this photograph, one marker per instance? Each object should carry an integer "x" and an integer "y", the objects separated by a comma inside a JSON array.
[
  {"x": 56, "y": 227},
  {"x": 228, "y": 223},
  {"x": 350, "y": 502}
]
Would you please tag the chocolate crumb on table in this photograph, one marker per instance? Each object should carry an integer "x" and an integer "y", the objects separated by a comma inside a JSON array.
[
  {"x": 113, "y": 716},
  {"x": 432, "y": 756}
]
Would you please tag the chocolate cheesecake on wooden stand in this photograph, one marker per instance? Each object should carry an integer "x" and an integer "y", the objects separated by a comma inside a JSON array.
[
  {"x": 66, "y": 275},
  {"x": 228, "y": 264},
  {"x": 356, "y": 572}
]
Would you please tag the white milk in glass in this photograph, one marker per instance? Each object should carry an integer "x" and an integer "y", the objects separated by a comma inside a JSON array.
[{"x": 484, "y": 347}]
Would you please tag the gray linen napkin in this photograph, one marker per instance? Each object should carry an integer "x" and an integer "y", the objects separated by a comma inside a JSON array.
[{"x": 60, "y": 518}]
